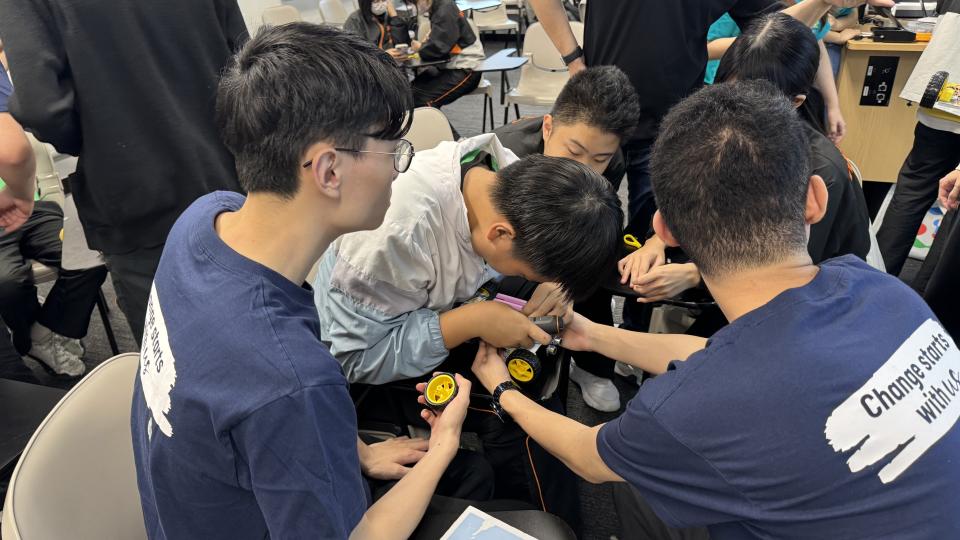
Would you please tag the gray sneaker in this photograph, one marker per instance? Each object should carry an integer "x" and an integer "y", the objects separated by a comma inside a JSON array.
[
  {"x": 55, "y": 356},
  {"x": 73, "y": 346}
]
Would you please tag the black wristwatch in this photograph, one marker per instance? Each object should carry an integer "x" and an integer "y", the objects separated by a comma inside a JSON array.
[
  {"x": 570, "y": 58},
  {"x": 497, "y": 392}
]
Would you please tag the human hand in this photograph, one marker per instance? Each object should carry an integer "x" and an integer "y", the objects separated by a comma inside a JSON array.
[
  {"x": 666, "y": 281},
  {"x": 14, "y": 211},
  {"x": 388, "y": 460},
  {"x": 396, "y": 54},
  {"x": 577, "y": 66},
  {"x": 576, "y": 335},
  {"x": 445, "y": 425},
  {"x": 847, "y": 34},
  {"x": 836, "y": 125},
  {"x": 503, "y": 327},
  {"x": 950, "y": 190},
  {"x": 415, "y": 45},
  {"x": 856, "y": 3},
  {"x": 642, "y": 260},
  {"x": 489, "y": 367},
  {"x": 547, "y": 299}
]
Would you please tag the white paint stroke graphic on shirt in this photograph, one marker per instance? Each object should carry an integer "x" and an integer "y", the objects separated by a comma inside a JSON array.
[
  {"x": 158, "y": 373},
  {"x": 911, "y": 401}
]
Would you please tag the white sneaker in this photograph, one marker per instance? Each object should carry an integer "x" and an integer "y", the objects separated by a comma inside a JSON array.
[
  {"x": 73, "y": 346},
  {"x": 599, "y": 393},
  {"x": 626, "y": 370},
  {"x": 51, "y": 352}
]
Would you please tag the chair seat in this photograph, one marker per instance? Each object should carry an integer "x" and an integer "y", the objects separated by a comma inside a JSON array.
[
  {"x": 484, "y": 88},
  {"x": 509, "y": 25},
  {"x": 537, "y": 86},
  {"x": 43, "y": 273}
]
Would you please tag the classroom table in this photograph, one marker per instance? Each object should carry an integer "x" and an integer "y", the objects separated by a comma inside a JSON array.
[
  {"x": 879, "y": 124},
  {"x": 503, "y": 62}
]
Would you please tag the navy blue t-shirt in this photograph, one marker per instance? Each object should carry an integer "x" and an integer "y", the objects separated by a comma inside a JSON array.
[
  {"x": 243, "y": 426},
  {"x": 6, "y": 89},
  {"x": 828, "y": 413}
]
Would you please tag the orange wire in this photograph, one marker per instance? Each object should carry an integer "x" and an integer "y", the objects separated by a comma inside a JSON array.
[{"x": 535, "y": 476}]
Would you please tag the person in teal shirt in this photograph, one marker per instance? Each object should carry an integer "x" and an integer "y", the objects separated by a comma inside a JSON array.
[
  {"x": 725, "y": 27},
  {"x": 724, "y": 30}
]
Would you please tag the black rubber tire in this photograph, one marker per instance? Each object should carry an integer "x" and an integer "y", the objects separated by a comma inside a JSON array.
[{"x": 934, "y": 87}]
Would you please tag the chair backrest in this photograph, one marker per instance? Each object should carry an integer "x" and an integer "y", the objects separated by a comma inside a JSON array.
[
  {"x": 76, "y": 477},
  {"x": 537, "y": 44},
  {"x": 423, "y": 28},
  {"x": 252, "y": 10},
  {"x": 496, "y": 15},
  {"x": 583, "y": 10},
  {"x": 476, "y": 32},
  {"x": 430, "y": 127},
  {"x": 277, "y": 15},
  {"x": 48, "y": 180},
  {"x": 333, "y": 12}
]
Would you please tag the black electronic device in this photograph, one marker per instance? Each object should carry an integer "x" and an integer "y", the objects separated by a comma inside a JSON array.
[{"x": 893, "y": 35}]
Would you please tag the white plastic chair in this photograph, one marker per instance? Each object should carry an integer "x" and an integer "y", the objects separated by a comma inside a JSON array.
[
  {"x": 50, "y": 188},
  {"x": 333, "y": 12},
  {"x": 542, "y": 78},
  {"x": 493, "y": 20},
  {"x": 252, "y": 10},
  {"x": 485, "y": 89},
  {"x": 76, "y": 477},
  {"x": 430, "y": 127},
  {"x": 583, "y": 10},
  {"x": 277, "y": 15}
]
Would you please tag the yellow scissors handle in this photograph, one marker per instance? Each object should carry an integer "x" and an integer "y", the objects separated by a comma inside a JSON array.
[{"x": 631, "y": 241}]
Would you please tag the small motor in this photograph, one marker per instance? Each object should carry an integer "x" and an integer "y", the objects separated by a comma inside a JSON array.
[{"x": 440, "y": 391}]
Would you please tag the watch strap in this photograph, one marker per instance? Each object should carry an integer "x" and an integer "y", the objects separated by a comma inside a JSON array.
[{"x": 570, "y": 58}]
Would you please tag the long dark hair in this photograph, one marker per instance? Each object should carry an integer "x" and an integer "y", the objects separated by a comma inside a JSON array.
[{"x": 366, "y": 12}]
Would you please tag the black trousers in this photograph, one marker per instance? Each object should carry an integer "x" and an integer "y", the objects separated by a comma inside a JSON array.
[
  {"x": 934, "y": 154},
  {"x": 638, "y": 521},
  {"x": 433, "y": 87},
  {"x": 132, "y": 275},
  {"x": 69, "y": 304},
  {"x": 939, "y": 277}
]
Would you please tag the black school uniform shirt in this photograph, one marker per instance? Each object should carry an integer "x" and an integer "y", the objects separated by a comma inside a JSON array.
[
  {"x": 845, "y": 228},
  {"x": 661, "y": 45},
  {"x": 525, "y": 136}
]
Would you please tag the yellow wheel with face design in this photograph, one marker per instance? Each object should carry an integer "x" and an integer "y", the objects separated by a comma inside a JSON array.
[
  {"x": 440, "y": 391},
  {"x": 523, "y": 365}
]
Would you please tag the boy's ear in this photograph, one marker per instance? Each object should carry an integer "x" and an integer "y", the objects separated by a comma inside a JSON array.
[
  {"x": 663, "y": 231},
  {"x": 547, "y": 126},
  {"x": 322, "y": 173},
  {"x": 500, "y": 232},
  {"x": 817, "y": 198}
]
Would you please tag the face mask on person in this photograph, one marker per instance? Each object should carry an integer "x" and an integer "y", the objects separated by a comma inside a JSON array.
[{"x": 378, "y": 8}]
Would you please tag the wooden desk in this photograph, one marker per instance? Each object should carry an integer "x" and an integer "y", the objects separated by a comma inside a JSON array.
[{"x": 878, "y": 138}]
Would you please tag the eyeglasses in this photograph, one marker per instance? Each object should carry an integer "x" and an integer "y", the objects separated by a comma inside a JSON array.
[{"x": 402, "y": 155}]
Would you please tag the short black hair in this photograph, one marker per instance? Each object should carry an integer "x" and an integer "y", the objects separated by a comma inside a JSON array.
[
  {"x": 602, "y": 97},
  {"x": 567, "y": 220},
  {"x": 730, "y": 175},
  {"x": 775, "y": 48},
  {"x": 295, "y": 84}
]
